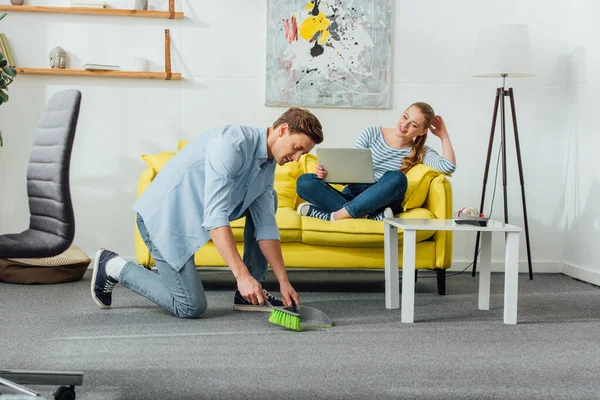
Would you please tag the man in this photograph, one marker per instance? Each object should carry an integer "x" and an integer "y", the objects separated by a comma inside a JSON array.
[{"x": 222, "y": 175}]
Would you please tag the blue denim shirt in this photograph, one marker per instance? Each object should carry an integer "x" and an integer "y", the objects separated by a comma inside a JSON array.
[{"x": 210, "y": 182}]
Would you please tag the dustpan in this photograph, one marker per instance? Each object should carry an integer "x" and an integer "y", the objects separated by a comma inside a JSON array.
[{"x": 311, "y": 318}]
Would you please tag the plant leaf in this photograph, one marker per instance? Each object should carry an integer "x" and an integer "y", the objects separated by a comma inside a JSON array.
[
  {"x": 2, "y": 16},
  {"x": 10, "y": 71},
  {"x": 3, "y": 96}
]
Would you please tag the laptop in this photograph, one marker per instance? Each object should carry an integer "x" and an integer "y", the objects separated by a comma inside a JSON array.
[{"x": 347, "y": 165}]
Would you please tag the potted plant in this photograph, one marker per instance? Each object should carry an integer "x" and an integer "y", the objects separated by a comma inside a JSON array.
[{"x": 7, "y": 75}]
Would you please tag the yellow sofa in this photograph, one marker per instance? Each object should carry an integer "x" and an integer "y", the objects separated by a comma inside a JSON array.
[{"x": 348, "y": 244}]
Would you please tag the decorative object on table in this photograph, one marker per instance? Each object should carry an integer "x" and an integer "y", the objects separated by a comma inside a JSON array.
[
  {"x": 141, "y": 4},
  {"x": 58, "y": 58},
  {"x": 88, "y": 3},
  {"x": 470, "y": 211},
  {"x": 503, "y": 51},
  {"x": 17, "y": 2},
  {"x": 329, "y": 54},
  {"x": 7, "y": 75},
  {"x": 470, "y": 216},
  {"x": 101, "y": 67}
]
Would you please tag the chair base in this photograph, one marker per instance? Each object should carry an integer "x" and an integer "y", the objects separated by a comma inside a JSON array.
[{"x": 14, "y": 379}]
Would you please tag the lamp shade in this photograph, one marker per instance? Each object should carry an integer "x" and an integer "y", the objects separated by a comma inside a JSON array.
[{"x": 503, "y": 50}]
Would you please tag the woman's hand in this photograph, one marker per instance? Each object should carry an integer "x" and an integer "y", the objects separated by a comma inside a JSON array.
[
  {"x": 321, "y": 172},
  {"x": 438, "y": 127}
]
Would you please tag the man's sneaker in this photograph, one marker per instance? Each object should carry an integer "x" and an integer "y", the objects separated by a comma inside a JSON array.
[
  {"x": 308, "y": 210},
  {"x": 240, "y": 304},
  {"x": 102, "y": 285},
  {"x": 387, "y": 213}
]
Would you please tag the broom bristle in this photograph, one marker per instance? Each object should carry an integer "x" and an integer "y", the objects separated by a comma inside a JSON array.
[{"x": 285, "y": 319}]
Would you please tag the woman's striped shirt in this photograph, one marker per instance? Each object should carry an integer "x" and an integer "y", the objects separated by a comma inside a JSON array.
[{"x": 386, "y": 158}]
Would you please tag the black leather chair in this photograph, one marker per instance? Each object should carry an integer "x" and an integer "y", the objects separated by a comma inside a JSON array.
[{"x": 52, "y": 222}]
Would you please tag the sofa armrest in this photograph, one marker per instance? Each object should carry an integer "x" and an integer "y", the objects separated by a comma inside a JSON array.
[
  {"x": 141, "y": 250},
  {"x": 439, "y": 202}
]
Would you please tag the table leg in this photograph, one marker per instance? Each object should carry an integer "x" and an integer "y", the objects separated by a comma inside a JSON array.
[
  {"x": 485, "y": 268},
  {"x": 511, "y": 277},
  {"x": 390, "y": 239},
  {"x": 408, "y": 276}
]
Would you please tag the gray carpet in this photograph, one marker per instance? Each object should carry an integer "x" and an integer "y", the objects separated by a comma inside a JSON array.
[{"x": 453, "y": 351}]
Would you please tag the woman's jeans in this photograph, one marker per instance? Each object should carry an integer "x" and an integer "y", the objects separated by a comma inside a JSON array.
[
  {"x": 181, "y": 292},
  {"x": 358, "y": 199}
]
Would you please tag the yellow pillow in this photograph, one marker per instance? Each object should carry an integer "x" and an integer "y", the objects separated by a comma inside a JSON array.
[
  {"x": 157, "y": 161},
  {"x": 285, "y": 183},
  {"x": 419, "y": 178},
  {"x": 181, "y": 144}
]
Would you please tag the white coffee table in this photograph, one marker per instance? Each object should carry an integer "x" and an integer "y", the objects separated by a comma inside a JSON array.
[{"x": 411, "y": 226}]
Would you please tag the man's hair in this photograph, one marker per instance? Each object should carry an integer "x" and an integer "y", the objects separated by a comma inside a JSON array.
[{"x": 301, "y": 120}]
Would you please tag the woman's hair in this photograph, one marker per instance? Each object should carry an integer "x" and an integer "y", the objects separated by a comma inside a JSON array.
[{"x": 418, "y": 149}]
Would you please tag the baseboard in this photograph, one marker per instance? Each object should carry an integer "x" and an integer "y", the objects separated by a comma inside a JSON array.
[
  {"x": 581, "y": 273},
  {"x": 544, "y": 267},
  {"x": 541, "y": 267}
]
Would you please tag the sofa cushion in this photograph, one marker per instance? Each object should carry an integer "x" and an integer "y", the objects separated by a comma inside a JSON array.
[
  {"x": 288, "y": 220},
  {"x": 355, "y": 232}
]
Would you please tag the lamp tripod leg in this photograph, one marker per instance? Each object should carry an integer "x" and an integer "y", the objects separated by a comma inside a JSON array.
[
  {"x": 520, "y": 165},
  {"x": 503, "y": 142},
  {"x": 486, "y": 172}
]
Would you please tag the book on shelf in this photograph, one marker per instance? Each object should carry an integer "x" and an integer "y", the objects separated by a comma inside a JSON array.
[
  {"x": 75, "y": 5},
  {"x": 88, "y": 3},
  {"x": 101, "y": 67},
  {"x": 6, "y": 52}
]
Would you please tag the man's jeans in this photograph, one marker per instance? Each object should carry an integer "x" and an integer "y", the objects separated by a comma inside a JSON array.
[
  {"x": 358, "y": 199},
  {"x": 181, "y": 292}
]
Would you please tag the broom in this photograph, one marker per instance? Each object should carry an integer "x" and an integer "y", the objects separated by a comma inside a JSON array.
[{"x": 286, "y": 318}]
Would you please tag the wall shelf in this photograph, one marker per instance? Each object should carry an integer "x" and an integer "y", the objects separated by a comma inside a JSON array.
[
  {"x": 175, "y": 76},
  {"x": 167, "y": 75},
  {"x": 95, "y": 11}
]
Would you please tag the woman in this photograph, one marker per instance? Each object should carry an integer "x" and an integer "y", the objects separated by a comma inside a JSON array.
[{"x": 395, "y": 151}]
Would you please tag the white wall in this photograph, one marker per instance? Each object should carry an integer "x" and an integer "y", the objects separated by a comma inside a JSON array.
[
  {"x": 220, "y": 48},
  {"x": 582, "y": 183}
]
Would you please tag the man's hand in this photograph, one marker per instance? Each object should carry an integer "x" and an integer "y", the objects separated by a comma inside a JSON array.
[
  {"x": 321, "y": 172},
  {"x": 288, "y": 293},
  {"x": 438, "y": 127},
  {"x": 250, "y": 289}
]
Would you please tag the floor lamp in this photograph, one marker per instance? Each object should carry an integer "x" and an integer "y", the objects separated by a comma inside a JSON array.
[{"x": 503, "y": 51}]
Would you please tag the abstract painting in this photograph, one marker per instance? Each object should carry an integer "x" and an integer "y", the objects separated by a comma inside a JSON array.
[{"x": 334, "y": 53}]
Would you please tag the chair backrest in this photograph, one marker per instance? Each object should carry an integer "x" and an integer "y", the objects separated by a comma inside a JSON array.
[{"x": 48, "y": 186}]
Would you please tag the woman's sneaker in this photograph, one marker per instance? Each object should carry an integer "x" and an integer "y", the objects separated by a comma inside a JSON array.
[
  {"x": 387, "y": 213},
  {"x": 240, "y": 304},
  {"x": 308, "y": 210}
]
